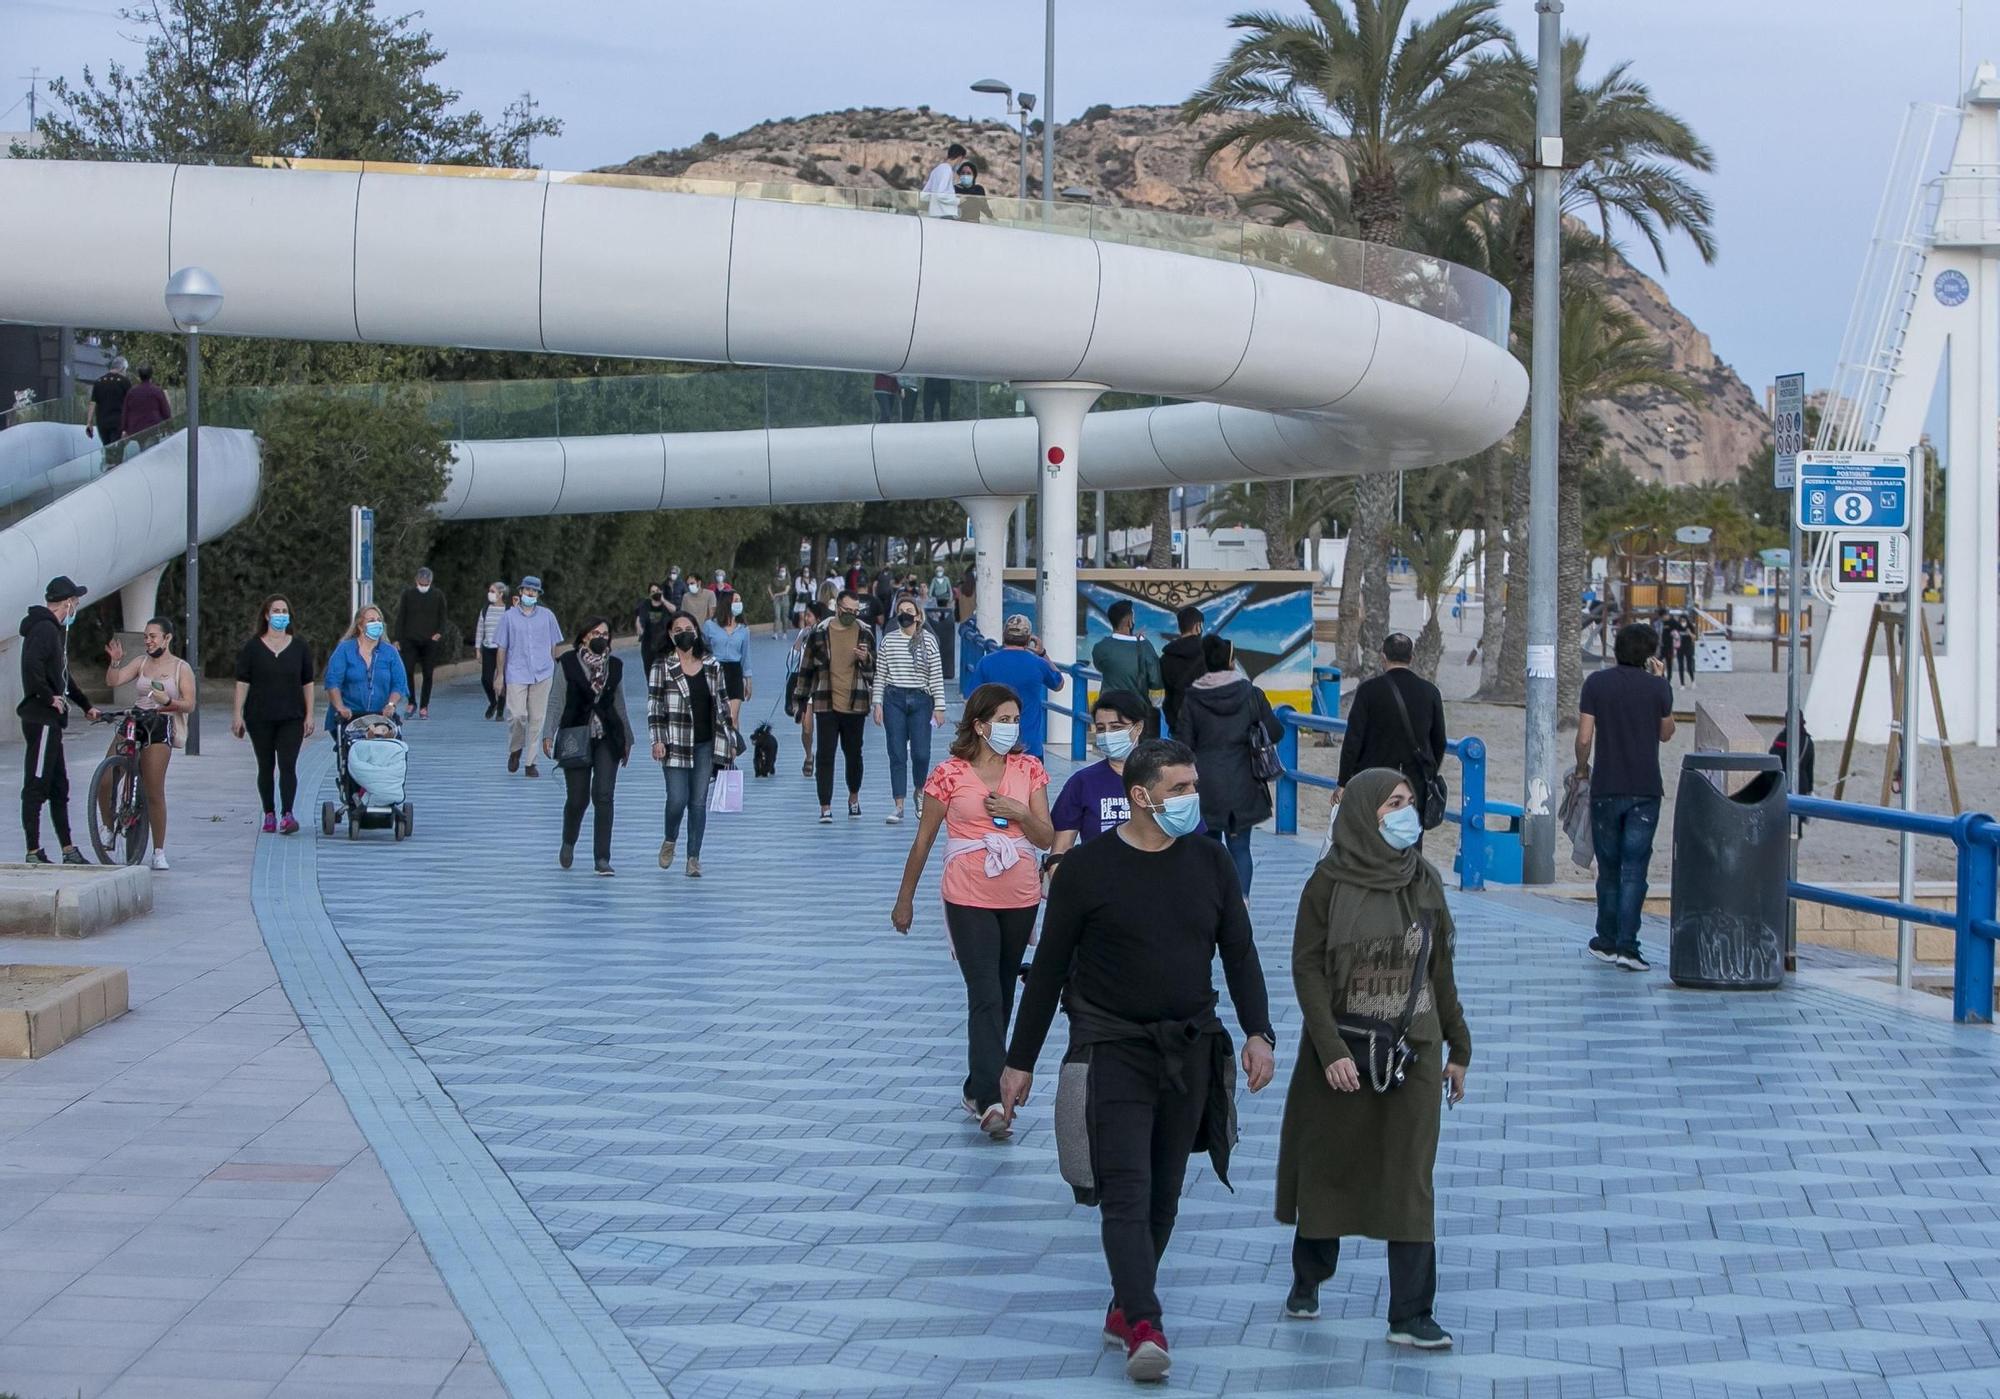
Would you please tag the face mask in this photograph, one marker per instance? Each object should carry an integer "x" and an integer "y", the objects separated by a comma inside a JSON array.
[
  {"x": 156, "y": 651},
  {"x": 1178, "y": 816},
  {"x": 423, "y": 587},
  {"x": 373, "y": 631},
  {"x": 658, "y": 601},
  {"x": 906, "y": 619},
  {"x": 673, "y": 573},
  {"x": 719, "y": 575},
  {"x": 736, "y": 608},
  {"x": 1403, "y": 828},
  {"x": 684, "y": 641},
  {"x": 1116, "y": 744},
  {"x": 528, "y": 601},
  {"x": 280, "y": 620},
  {"x": 69, "y": 621},
  {"x": 848, "y": 619},
  {"x": 965, "y": 182},
  {"x": 599, "y": 645},
  {"x": 1001, "y": 738}
]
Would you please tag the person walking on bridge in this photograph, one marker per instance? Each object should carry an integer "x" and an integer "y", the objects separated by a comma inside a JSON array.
[
  {"x": 419, "y": 634},
  {"x": 527, "y": 641},
  {"x": 274, "y": 698}
]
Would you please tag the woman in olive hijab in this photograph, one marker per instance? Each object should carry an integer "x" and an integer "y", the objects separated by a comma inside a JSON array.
[{"x": 1353, "y": 1159}]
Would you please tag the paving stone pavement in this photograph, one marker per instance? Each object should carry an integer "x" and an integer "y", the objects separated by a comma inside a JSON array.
[
  {"x": 731, "y": 1103},
  {"x": 187, "y": 1208}
]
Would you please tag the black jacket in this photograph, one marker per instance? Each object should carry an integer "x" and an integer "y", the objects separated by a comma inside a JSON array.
[
  {"x": 652, "y": 627},
  {"x": 45, "y": 670},
  {"x": 1375, "y": 736},
  {"x": 1180, "y": 666},
  {"x": 1215, "y": 722},
  {"x": 577, "y": 701},
  {"x": 420, "y": 616}
]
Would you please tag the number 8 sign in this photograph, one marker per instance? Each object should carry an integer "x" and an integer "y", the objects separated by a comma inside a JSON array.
[{"x": 1853, "y": 508}]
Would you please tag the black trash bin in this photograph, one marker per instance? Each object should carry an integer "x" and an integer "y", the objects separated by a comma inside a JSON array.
[
  {"x": 946, "y": 634},
  {"x": 1729, "y": 877}
]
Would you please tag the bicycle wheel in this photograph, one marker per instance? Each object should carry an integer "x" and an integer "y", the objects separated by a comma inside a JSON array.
[{"x": 118, "y": 830}]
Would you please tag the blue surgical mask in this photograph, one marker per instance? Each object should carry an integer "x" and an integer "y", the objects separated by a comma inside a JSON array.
[
  {"x": 373, "y": 631},
  {"x": 1178, "y": 816},
  {"x": 528, "y": 601},
  {"x": 1403, "y": 828},
  {"x": 280, "y": 620},
  {"x": 1116, "y": 744},
  {"x": 1001, "y": 738},
  {"x": 69, "y": 621}
]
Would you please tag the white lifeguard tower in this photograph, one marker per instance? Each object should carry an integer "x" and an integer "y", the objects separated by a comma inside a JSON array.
[{"x": 1929, "y": 303}]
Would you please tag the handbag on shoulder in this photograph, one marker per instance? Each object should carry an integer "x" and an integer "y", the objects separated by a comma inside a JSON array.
[
  {"x": 573, "y": 746},
  {"x": 1380, "y": 1047},
  {"x": 1432, "y": 795}
]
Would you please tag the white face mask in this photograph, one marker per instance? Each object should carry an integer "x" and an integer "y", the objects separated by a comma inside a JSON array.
[
  {"x": 423, "y": 587},
  {"x": 1001, "y": 738}
]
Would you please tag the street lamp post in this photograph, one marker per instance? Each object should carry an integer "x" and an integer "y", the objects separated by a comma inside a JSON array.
[
  {"x": 1049, "y": 108},
  {"x": 193, "y": 299},
  {"x": 1019, "y": 104}
]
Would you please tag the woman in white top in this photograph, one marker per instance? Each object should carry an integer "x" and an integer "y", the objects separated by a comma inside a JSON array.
[
  {"x": 484, "y": 634},
  {"x": 165, "y": 692}
]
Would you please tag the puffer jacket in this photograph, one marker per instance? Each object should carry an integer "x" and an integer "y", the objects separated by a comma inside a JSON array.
[{"x": 1216, "y": 719}]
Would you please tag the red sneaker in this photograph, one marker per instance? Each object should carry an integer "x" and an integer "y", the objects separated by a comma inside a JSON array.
[
  {"x": 289, "y": 825},
  {"x": 1116, "y": 1332},
  {"x": 1146, "y": 1357}
]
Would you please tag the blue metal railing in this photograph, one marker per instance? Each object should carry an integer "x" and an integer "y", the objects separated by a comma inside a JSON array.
[
  {"x": 1977, "y": 838},
  {"x": 1470, "y": 815}
]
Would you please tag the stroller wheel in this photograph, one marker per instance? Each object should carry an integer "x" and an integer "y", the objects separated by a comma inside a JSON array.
[
  {"x": 409, "y": 818},
  {"x": 327, "y": 817},
  {"x": 353, "y": 826}
]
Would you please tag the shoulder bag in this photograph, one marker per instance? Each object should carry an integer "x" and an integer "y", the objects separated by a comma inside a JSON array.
[
  {"x": 1432, "y": 795},
  {"x": 573, "y": 746},
  {"x": 1264, "y": 763},
  {"x": 1380, "y": 1048}
]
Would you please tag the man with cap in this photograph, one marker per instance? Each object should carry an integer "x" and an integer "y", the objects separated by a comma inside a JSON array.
[
  {"x": 1028, "y": 675},
  {"x": 419, "y": 633},
  {"x": 106, "y": 414},
  {"x": 527, "y": 640},
  {"x": 47, "y": 696}
]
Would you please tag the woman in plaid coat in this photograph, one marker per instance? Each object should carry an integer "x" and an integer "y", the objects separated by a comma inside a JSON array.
[{"x": 687, "y": 709}]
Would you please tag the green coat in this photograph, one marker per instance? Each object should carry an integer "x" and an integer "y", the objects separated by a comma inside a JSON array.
[
  {"x": 1361, "y": 1163},
  {"x": 1127, "y": 665}
]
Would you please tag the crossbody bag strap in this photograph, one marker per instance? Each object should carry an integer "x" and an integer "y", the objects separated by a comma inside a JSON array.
[
  {"x": 1409, "y": 729},
  {"x": 1416, "y": 977}
]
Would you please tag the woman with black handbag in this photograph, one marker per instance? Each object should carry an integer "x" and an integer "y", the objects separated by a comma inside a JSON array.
[
  {"x": 589, "y": 737},
  {"x": 1372, "y": 964}
]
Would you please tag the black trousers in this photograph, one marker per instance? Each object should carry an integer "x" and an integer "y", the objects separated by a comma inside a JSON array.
[
  {"x": 830, "y": 730},
  {"x": 420, "y": 657},
  {"x": 1143, "y": 1131},
  {"x": 936, "y": 400},
  {"x": 592, "y": 787},
  {"x": 44, "y": 778},
  {"x": 1413, "y": 1273},
  {"x": 1685, "y": 658},
  {"x": 496, "y": 694},
  {"x": 276, "y": 744},
  {"x": 989, "y": 943}
]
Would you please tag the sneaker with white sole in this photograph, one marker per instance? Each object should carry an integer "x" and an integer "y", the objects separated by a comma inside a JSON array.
[
  {"x": 1116, "y": 1332},
  {"x": 1422, "y": 1333},
  {"x": 160, "y": 860},
  {"x": 1302, "y": 1302},
  {"x": 971, "y": 1108},
  {"x": 1603, "y": 954},
  {"x": 1634, "y": 962},
  {"x": 1146, "y": 1358},
  {"x": 993, "y": 1122}
]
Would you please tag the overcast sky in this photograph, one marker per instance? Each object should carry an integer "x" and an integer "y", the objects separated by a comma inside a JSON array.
[{"x": 1801, "y": 99}]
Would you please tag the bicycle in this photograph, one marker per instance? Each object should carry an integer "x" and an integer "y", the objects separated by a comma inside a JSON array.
[{"x": 118, "y": 795}]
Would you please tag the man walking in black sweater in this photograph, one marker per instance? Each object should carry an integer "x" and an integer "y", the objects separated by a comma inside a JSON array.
[
  {"x": 1133, "y": 925},
  {"x": 419, "y": 633},
  {"x": 1381, "y": 733},
  {"x": 48, "y": 694}
]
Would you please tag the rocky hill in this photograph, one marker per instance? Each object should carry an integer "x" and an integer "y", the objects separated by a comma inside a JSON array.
[{"x": 1146, "y": 157}]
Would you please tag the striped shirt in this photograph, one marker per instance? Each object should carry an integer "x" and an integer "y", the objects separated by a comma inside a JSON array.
[
  {"x": 910, "y": 663},
  {"x": 489, "y": 625}
]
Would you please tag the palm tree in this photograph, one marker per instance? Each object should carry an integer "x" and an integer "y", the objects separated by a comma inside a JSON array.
[
  {"x": 1287, "y": 512},
  {"x": 1401, "y": 106},
  {"x": 1606, "y": 352}
]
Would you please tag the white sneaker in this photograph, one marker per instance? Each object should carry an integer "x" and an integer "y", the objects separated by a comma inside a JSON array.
[
  {"x": 160, "y": 860},
  {"x": 993, "y": 1122}
]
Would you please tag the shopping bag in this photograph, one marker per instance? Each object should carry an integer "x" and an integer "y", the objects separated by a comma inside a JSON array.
[{"x": 725, "y": 790}]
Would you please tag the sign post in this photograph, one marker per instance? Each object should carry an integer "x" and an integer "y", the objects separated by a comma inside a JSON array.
[
  {"x": 1913, "y": 726},
  {"x": 361, "y": 559},
  {"x": 1788, "y": 438}
]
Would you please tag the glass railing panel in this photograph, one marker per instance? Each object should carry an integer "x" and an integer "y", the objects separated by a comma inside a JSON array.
[
  {"x": 1320, "y": 256},
  {"x": 819, "y": 398},
  {"x": 22, "y": 498},
  {"x": 727, "y": 400}
]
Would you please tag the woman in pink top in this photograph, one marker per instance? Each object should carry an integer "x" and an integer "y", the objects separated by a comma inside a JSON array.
[{"x": 994, "y": 807}]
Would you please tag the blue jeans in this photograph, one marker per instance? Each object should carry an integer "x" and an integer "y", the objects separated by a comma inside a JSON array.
[
  {"x": 1621, "y": 834},
  {"x": 687, "y": 795},
  {"x": 906, "y": 717},
  {"x": 1239, "y": 851}
]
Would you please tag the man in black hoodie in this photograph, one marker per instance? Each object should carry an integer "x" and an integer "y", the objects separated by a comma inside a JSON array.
[
  {"x": 47, "y": 695},
  {"x": 419, "y": 633},
  {"x": 1181, "y": 664}
]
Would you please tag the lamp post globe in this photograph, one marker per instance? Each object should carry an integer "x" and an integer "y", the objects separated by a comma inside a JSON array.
[{"x": 194, "y": 298}]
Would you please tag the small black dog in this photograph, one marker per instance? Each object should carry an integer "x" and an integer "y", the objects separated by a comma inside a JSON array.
[{"x": 765, "y": 764}]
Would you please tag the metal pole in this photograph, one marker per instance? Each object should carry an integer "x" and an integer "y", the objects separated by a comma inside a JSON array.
[
  {"x": 1021, "y": 189},
  {"x": 194, "y": 532},
  {"x": 1913, "y": 618},
  {"x": 1049, "y": 110},
  {"x": 1538, "y": 823},
  {"x": 1793, "y": 759},
  {"x": 1103, "y": 534}
]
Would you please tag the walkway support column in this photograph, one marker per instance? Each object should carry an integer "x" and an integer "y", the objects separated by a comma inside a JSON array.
[
  {"x": 989, "y": 515},
  {"x": 1059, "y": 410}
]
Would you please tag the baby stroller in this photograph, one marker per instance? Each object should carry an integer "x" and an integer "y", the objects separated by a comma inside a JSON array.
[{"x": 371, "y": 762}]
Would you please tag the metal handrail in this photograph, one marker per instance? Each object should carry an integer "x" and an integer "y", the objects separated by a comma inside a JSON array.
[
  {"x": 1977, "y": 839},
  {"x": 1469, "y": 816}
]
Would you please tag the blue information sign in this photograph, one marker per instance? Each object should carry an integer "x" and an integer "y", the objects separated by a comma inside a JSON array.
[{"x": 1853, "y": 490}]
